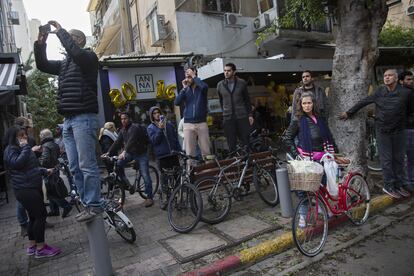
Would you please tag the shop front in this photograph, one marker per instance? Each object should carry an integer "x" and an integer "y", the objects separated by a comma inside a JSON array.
[
  {"x": 271, "y": 83},
  {"x": 135, "y": 84}
]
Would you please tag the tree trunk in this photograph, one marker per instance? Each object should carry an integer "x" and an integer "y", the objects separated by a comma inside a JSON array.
[{"x": 360, "y": 22}]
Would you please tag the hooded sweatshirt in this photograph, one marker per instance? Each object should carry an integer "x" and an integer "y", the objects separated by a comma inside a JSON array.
[{"x": 163, "y": 140}]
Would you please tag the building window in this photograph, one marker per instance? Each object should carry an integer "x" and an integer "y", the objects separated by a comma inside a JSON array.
[{"x": 221, "y": 6}]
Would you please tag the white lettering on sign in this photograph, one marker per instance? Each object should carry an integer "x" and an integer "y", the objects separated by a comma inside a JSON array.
[{"x": 145, "y": 83}]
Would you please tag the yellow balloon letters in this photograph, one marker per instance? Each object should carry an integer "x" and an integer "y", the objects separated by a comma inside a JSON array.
[
  {"x": 129, "y": 91},
  {"x": 116, "y": 98}
]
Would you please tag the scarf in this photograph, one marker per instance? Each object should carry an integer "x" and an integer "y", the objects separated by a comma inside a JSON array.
[
  {"x": 112, "y": 135},
  {"x": 305, "y": 139}
]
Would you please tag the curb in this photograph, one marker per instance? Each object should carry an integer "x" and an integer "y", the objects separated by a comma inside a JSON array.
[{"x": 275, "y": 246}]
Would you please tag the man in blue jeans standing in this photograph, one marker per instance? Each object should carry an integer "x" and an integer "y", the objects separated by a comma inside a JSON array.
[
  {"x": 78, "y": 103},
  {"x": 134, "y": 140}
]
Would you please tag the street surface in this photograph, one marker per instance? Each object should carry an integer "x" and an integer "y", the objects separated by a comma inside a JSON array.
[{"x": 351, "y": 250}]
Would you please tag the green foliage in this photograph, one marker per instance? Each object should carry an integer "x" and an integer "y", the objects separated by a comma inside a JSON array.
[
  {"x": 396, "y": 36},
  {"x": 307, "y": 12},
  {"x": 298, "y": 14},
  {"x": 41, "y": 100}
]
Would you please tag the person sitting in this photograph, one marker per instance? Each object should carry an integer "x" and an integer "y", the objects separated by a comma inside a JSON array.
[
  {"x": 164, "y": 138},
  {"x": 26, "y": 179},
  {"x": 134, "y": 140},
  {"x": 107, "y": 136}
]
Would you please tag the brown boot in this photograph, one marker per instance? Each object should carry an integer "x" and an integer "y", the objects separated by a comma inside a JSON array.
[{"x": 148, "y": 202}]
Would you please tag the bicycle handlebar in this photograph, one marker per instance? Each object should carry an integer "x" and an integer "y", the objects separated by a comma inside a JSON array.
[{"x": 183, "y": 155}]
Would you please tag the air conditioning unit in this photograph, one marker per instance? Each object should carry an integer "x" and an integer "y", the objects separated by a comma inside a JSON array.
[
  {"x": 158, "y": 29},
  {"x": 232, "y": 20},
  {"x": 261, "y": 22},
  {"x": 410, "y": 10}
]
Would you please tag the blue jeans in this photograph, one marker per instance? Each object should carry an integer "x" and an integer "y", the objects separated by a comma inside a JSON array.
[
  {"x": 80, "y": 138},
  {"x": 143, "y": 163},
  {"x": 21, "y": 214},
  {"x": 409, "y": 147}
]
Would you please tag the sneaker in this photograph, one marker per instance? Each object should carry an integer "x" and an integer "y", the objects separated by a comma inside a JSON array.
[
  {"x": 53, "y": 214},
  {"x": 89, "y": 214},
  {"x": 47, "y": 251},
  {"x": 23, "y": 230},
  {"x": 49, "y": 225},
  {"x": 391, "y": 192},
  {"x": 66, "y": 211},
  {"x": 31, "y": 250},
  {"x": 302, "y": 221},
  {"x": 403, "y": 192},
  {"x": 80, "y": 214},
  {"x": 148, "y": 202}
]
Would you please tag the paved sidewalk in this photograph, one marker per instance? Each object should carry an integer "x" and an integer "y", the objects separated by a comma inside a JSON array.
[{"x": 158, "y": 250}]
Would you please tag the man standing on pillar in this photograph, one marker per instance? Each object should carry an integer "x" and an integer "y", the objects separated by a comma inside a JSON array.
[
  {"x": 235, "y": 102},
  {"x": 78, "y": 103}
]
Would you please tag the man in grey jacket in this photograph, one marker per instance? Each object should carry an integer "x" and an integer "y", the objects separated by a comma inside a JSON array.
[
  {"x": 309, "y": 86},
  {"x": 235, "y": 102}
]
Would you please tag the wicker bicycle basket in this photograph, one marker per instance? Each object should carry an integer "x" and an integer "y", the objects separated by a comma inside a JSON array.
[{"x": 303, "y": 181}]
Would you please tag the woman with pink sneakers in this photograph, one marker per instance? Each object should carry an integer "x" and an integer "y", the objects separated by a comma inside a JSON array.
[{"x": 26, "y": 178}]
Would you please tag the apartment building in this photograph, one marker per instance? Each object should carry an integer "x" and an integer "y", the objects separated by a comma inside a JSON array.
[{"x": 401, "y": 13}]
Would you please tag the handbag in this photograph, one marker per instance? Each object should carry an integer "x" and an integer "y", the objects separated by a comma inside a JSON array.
[{"x": 60, "y": 188}]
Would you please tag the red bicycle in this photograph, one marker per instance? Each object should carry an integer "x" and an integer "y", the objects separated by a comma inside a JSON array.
[{"x": 310, "y": 223}]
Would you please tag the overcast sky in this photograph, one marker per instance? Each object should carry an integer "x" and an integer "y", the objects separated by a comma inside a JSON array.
[{"x": 71, "y": 14}]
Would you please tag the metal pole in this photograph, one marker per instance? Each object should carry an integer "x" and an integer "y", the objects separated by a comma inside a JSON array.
[
  {"x": 284, "y": 192},
  {"x": 98, "y": 244}
]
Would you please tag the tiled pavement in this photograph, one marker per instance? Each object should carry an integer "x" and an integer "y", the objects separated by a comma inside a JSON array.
[{"x": 158, "y": 250}]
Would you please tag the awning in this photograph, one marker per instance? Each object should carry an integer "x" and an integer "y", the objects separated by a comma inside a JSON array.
[
  {"x": 107, "y": 36},
  {"x": 93, "y": 5},
  {"x": 261, "y": 70},
  {"x": 8, "y": 72}
]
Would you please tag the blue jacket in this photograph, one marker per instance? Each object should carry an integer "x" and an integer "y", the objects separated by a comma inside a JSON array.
[
  {"x": 163, "y": 140},
  {"x": 195, "y": 102},
  {"x": 23, "y": 167}
]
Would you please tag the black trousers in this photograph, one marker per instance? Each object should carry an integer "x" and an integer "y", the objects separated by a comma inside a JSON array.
[
  {"x": 391, "y": 147},
  {"x": 236, "y": 129},
  {"x": 167, "y": 163},
  {"x": 32, "y": 201}
]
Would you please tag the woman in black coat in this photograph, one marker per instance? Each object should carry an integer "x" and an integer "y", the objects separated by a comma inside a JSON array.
[{"x": 26, "y": 179}]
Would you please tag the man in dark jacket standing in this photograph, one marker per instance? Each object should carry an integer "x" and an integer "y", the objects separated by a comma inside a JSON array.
[
  {"x": 194, "y": 97},
  {"x": 77, "y": 102},
  {"x": 134, "y": 141},
  {"x": 235, "y": 102},
  {"x": 308, "y": 85},
  {"x": 392, "y": 104},
  {"x": 406, "y": 79},
  {"x": 164, "y": 138},
  {"x": 49, "y": 159}
]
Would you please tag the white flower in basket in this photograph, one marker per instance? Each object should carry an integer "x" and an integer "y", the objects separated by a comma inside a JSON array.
[{"x": 305, "y": 175}]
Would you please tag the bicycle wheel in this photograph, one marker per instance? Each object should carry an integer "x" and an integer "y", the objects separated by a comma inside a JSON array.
[
  {"x": 122, "y": 228},
  {"x": 113, "y": 189},
  {"x": 265, "y": 185},
  {"x": 140, "y": 185},
  {"x": 357, "y": 200},
  {"x": 185, "y": 207},
  {"x": 216, "y": 200},
  {"x": 310, "y": 225}
]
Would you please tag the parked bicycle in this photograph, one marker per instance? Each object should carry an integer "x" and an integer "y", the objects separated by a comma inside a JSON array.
[
  {"x": 372, "y": 147},
  {"x": 231, "y": 182},
  {"x": 185, "y": 203},
  {"x": 310, "y": 222},
  {"x": 113, "y": 215}
]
